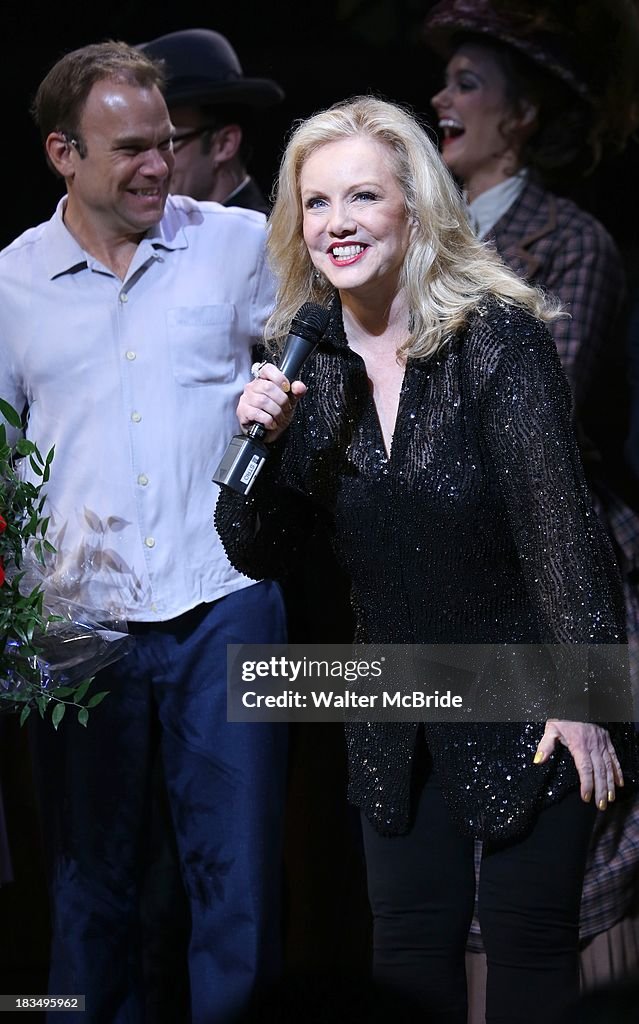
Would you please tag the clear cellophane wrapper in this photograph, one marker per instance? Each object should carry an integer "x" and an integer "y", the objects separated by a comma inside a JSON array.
[{"x": 76, "y": 643}]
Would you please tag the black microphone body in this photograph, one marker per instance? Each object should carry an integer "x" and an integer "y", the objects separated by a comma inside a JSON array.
[
  {"x": 296, "y": 351},
  {"x": 247, "y": 453}
]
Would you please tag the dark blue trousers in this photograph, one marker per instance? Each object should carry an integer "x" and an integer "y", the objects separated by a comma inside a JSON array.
[{"x": 226, "y": 784}]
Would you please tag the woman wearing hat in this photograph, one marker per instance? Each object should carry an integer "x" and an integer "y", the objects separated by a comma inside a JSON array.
[
  {"x": 529, "y": 101},
  {"x": 534, "y": 94}
]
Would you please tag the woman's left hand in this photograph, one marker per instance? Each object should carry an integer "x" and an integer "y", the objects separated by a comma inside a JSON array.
[{"x": 593, "y": 753}]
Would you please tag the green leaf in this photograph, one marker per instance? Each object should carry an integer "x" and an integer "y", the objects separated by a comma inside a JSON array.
[
  {"x": 24, "y": 447},
  {"x": 81, "y": 690},
  {"x": 58, "y": 714},
  {"x": 22, "y": 618},
  {"x": 10, "y": 414},
  {"x": 62, "y": 691},
  {"x": 83, "y": 716},
  {"x": 97, "y": 698},
  {"x": 18, "y": 697}
]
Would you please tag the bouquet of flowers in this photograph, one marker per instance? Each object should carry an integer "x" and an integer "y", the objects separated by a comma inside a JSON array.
[{"x": 50, "y": 648}]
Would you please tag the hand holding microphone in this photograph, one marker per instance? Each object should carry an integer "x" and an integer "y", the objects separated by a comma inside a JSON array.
[
  {"x": 267, "y": 404},
  {"x": 247, "y": 453}
]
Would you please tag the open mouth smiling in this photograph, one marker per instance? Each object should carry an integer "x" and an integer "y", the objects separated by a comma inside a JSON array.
[
  {"x": 346, "y": 253},
  {"x": 450, "y": 128}
]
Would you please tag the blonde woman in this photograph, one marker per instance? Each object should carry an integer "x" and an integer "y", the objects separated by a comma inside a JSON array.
[{"x": 432, "y": 432}]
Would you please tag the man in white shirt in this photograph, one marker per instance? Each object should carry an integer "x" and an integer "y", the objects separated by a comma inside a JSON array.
[{"x": 126, "y": 327}]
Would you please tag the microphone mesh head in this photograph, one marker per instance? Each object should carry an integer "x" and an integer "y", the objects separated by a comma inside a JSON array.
[{"x": 310, "y": 321}]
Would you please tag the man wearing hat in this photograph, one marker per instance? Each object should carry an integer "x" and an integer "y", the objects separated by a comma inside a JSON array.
[{"x": 211, "y": 103}]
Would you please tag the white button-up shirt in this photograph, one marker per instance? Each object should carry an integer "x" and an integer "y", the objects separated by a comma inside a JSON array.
[{"x": 135, "y": 382}]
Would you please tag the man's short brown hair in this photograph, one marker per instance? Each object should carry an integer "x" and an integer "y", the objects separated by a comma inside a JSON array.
[{"x": 62, "y": 94}]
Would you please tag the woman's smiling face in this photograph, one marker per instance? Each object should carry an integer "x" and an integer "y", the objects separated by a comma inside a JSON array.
[
  {"x": 355, "y": 222},
  {"x": 481, "y": 133}
]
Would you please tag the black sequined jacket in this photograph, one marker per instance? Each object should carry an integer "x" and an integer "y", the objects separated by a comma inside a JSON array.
[{"x": 477, "y": 528}]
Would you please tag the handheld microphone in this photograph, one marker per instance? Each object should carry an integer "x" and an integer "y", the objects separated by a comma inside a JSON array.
[{"x": 247, "y": 453}]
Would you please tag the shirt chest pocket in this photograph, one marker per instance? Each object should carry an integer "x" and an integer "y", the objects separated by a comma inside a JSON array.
[{"x": 203, "y": 344}]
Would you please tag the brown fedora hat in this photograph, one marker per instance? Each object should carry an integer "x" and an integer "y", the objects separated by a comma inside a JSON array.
[{"x": 201, "y": 66}]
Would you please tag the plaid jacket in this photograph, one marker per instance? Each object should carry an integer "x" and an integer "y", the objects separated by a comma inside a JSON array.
[{"x": 551, "y": 242}]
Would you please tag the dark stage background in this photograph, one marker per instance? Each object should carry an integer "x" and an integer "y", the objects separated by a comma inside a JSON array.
[{"x": 318, "y": 52}]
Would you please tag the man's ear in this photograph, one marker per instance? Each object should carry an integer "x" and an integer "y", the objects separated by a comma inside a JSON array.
[
  {"x": 60, "y": 154},
  {"x": 227, "y": 142}
]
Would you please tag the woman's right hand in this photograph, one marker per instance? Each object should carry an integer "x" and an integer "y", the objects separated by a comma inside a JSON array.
[{"x": 269, "y": 399}]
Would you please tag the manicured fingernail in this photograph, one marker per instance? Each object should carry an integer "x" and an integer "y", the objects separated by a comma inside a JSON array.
[
  {"x": 587, "y": 797},
  {"x": 611, "y": 795},
  {"x": 539, "y": 756},
  {"x": 603, "y": 803},
  {"x": 286, "y": 387}
]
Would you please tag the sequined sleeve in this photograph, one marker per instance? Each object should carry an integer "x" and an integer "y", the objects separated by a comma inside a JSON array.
[
  {"x": 264, "y": 534},
  {"x": 567, "y": 561}
]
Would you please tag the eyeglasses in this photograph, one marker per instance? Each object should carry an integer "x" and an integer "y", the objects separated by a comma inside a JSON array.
[{"x": 181, "y": 140}]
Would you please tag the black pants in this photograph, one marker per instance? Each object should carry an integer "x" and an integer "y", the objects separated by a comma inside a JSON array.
[{"x": 421, "y": 889}]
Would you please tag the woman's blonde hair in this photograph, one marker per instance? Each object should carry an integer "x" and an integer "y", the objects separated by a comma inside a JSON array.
[{"x": 447, "y": 271}]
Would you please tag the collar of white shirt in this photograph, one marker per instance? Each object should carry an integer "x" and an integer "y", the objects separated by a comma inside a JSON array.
[
  {"x": 63, "y": 253},
  {"x": 490, "y": 206}
]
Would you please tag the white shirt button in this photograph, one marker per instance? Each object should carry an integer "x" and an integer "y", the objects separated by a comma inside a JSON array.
[
  {"x": 124, "y": 297},
  {"x": 136, "y": 417},
  {"x": 150, "y": 542},
  {"x": 143, "y": 480},
  {"x": 130, "y": 355}
]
